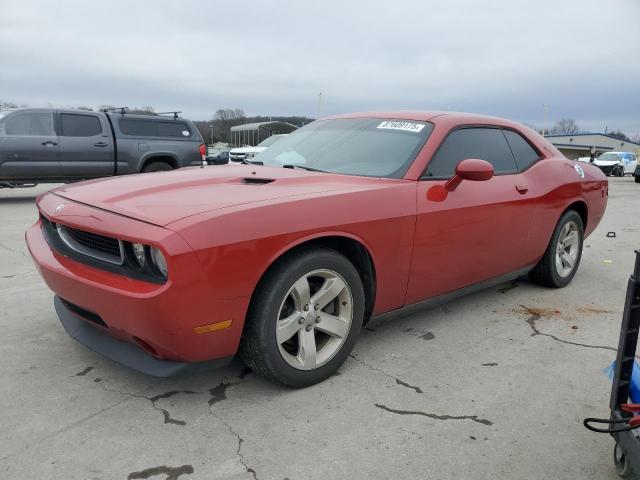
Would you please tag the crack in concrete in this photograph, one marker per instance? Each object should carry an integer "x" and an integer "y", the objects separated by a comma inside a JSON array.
[
  {"x": 219, "y": 393},
  {"x": 83, "y": 372},
  {"x": 397, "y": 380},
  {"x": 13, "y": 250},
  {"x": 473, "y": 418},
  {"x": 167, "y": 419},
  {"x": 172, "y": 473},
  {"x": 535, "y": 331}
]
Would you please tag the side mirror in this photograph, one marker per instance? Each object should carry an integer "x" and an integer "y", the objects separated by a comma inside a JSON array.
[{"x": 472, "y": 169}]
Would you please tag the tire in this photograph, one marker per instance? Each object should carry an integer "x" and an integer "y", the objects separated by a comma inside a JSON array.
[
  {"x": 637, "y": 179},
  {"x": 620, "y": 172},
  {"x": 558, "y": 272},
  {"x": 274, "y": 347},
  {"x": 623, "y": 467},
  {"x": 156, "y": 167}
]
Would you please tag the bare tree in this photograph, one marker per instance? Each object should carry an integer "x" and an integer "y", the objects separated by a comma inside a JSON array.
[
  {"x": 7, "y": 105},
  {"x": 224, "y": 119},
  {"x": 565, "y": 126},
  {"x": 635, "y": 138},
  {"x": 619, "y": 134}
]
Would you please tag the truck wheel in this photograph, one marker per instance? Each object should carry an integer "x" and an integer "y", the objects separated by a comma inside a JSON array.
[
  {"x": 560, "y": 262},
  {"x": 304, "y": 318},
  {"x": 637, "y": 179},
  {"x": 156, "y": 167}
]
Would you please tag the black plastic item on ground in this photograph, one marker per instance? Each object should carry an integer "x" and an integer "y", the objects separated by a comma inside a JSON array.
[{"x": 622, "y": 424}]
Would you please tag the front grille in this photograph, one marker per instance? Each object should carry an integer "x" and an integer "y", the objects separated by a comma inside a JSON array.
[
  {"x": 107, "y": 249},
  {"x": 95, "y": 242}
]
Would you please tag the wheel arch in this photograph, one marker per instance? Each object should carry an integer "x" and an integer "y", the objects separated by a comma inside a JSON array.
[
  {"x": 353, "y": 248},
  {"x": 158, "y": 157},
  {"x": 580, "y": 207}
]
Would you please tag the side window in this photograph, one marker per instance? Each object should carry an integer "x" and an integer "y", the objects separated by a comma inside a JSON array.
[
  {"x": 173, "y": 129},
  {"x": 35, "y": 124},
  {"x": 153, "y": 128},
  {"x": 524, "y": 153},
  {"x": 484, "y": 143},
  {"x": 79, "y": 125}
]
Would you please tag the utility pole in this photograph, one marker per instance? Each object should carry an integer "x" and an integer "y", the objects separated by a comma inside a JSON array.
[
  {"x": 211, "y": 128},
  {"x": 544, "y": 128}
]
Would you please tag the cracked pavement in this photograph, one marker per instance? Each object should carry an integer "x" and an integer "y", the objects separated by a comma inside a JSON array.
[{"x": 494, "y": 385}]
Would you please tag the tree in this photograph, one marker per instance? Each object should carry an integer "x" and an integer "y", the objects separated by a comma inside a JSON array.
[
  {"x": 7, "y": 105},
  {"x": 224, "y": 119},
  {"x": 636, "y": 138},
  {"x": 565, "y": 126},
  {"x": 619, "y": 134}
]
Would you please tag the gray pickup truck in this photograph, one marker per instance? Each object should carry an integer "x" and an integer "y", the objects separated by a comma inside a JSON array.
[{"x": 48, "y": 145}]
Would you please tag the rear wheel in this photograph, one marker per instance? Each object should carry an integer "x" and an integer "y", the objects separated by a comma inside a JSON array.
[
  {"x": 157, "y": 167},
  {"x": 637, "y": 179},
  {"x": 304, "y": 319},
  {"x": 623, "y": 467},
  {"x": 560, "y": 262}
]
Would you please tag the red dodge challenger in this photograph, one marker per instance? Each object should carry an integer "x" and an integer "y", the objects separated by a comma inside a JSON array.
[{"x": 284, "y": 259}]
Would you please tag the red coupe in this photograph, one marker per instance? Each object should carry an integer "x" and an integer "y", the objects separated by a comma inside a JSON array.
[{"x": 284, "y": 259}]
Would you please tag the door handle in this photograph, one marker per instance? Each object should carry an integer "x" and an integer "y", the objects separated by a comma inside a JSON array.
[
  {"x": 522, "y": 188},
  {"x": 49, "y": 143},
  {"x": 100, "y": 144}
]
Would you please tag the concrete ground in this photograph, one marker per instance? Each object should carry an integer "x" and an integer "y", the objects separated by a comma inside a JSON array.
[{"x": 494, "y": 385}]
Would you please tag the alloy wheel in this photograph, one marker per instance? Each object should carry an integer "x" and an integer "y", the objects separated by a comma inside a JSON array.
[
  {"x": 567, "y": 249},
  {"x": 314, "y": 319}
]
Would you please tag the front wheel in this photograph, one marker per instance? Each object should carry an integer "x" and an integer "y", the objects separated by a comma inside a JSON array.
[
  {"x": 560, "y": 262},
  {"x": 304, "y": 319}
]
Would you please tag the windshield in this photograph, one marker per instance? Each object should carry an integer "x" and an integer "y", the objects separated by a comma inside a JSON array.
[
  {"x": 267, "y": 142},
  {"x": 369, "y": 147}
]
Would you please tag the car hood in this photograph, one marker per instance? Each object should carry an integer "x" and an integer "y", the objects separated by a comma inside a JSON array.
[
  {"x": 606, "y": 163},
  {"x": 248, "y": 149},
  {"x": 161, "y": 198}
]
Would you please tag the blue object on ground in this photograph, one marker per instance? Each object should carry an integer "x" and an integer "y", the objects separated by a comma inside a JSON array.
[{"x": 634, "y": 390}]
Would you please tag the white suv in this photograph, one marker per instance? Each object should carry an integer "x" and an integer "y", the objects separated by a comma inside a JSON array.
[{"x": 247, "y": 153}]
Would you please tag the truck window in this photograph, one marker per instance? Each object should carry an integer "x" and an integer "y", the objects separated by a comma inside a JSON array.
[
  {"x": 74, "y": 125},
  {"x": 30, "y": 124},
  {"x": 153, "y": 128}
]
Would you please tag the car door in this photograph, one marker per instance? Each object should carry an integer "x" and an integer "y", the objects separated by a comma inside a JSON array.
[
  {"x": 28, "y": 146},
  {"x": 476, "y": 232},
  {"x": 86, "y": 146}
]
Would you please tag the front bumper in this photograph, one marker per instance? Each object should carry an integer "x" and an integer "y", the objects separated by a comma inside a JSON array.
[
  {"x": 161, "y": 321},
  {"x": 124, "y": 353}
]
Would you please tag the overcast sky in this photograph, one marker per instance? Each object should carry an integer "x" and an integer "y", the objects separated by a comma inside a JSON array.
[{"x": 506, "y": 58}]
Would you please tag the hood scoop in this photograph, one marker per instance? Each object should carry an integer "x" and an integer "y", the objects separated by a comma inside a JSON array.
[{"x": 257, "y": 180}]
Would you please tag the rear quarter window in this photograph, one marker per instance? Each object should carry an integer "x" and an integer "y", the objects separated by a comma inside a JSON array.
[
  {"x": 154, "y": 128},
  {"x": 523, "y": 152}
]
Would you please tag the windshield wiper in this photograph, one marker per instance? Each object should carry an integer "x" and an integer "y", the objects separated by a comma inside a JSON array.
[{"x": 304, "y": 167}]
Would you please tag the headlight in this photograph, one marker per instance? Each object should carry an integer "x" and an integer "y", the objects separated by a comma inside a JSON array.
[
  {"x": 158, "y": 260},
  {"x": 138, "y": 252}
]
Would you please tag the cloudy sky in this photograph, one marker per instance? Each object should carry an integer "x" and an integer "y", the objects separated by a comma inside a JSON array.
[{"x": 506, "y": 58}]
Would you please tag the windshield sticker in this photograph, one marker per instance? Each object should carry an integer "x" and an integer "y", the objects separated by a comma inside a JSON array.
[
  {"x": 185, "y": 133},
  {"x": 406, "y": 126}
]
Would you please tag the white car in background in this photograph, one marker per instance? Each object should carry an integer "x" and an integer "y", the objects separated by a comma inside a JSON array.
[
  {"x": 617, "y": 164},
  {"x": 247, "y": 153}
]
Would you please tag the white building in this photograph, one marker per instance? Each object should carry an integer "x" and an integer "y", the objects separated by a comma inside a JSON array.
[{"x": 579, "y": 144}]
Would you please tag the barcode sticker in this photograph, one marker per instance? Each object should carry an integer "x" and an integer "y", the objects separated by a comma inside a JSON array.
[{"x": 406, "y": 126}]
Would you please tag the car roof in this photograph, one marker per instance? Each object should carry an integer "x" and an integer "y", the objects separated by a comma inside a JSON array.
[{"x": 431, "y": 116}]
